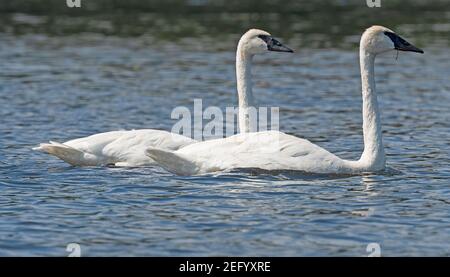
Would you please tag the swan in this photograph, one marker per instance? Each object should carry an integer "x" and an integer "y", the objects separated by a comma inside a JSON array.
[
  {"x": 127, "y": 148},
  {"x": 274, "y": 150}
]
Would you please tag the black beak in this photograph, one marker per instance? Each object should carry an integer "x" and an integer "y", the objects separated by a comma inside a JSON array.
[
  {"x": 275, "y": 45},
  {"x": 280, "y": 48},
  {"x": 401, "y": 44}
]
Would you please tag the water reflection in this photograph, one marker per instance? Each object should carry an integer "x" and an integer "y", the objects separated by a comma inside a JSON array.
[{"x": 368, "y": 183}]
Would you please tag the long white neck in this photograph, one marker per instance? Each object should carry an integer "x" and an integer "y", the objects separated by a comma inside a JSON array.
[
  {"x": 373, "y": 157},
  {"x": 244, "y": 88}
]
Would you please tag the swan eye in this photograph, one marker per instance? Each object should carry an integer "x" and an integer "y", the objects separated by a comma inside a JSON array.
[
  {"x": 265, "y": 38},
  {"x": 274, "y": 45},
  {"x": 270, "y": 41}
]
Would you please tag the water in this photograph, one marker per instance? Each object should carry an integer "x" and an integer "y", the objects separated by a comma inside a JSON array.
[{"x": 63, "y": 87}]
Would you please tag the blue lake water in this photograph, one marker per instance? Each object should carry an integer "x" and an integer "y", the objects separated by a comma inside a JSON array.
[{"x": 61, "y": 88}]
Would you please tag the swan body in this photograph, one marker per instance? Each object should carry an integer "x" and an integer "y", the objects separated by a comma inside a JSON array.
[
  {"x": 275, "y": 150},
  {"x": 268, "y": 150},
  {"x": 127, "y": 148}
]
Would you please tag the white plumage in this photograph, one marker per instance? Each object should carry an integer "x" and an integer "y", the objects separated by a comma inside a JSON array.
[
  {"x": 269, "y": 150},
  {"x": 274, "y": 150},
  {"x": 127, "y": 148},
  {"x": 119, "y": 148}
]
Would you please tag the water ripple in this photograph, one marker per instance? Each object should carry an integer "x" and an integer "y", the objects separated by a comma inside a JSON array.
[{"x": 75, "y": 86}]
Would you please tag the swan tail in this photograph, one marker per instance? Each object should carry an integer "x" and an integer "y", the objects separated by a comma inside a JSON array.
[
  {"x": 172, "y": 162},
  {"x": 66, "y": 153}
]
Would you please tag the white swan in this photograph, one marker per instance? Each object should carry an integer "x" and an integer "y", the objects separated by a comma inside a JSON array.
[
  {"x": 127, "y": 148},
  {"x": 273, "y": 150}
]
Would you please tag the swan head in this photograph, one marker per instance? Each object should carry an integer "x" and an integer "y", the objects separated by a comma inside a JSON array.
[
  {"x": 379, "y": 39},
  {"x": 256, "y": 41}
]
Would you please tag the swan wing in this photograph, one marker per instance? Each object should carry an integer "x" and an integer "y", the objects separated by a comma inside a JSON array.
[{"x": 131, "y": 146}]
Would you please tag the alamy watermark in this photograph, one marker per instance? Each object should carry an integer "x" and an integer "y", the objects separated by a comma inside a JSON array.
[
  {"x": 374, "y": 249},
  {"x": 74, "y": 250},
  {"x": 73, "y": 3},
  {"x": 222, "y": 123},
  {"x": 373, "y": 3}
]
